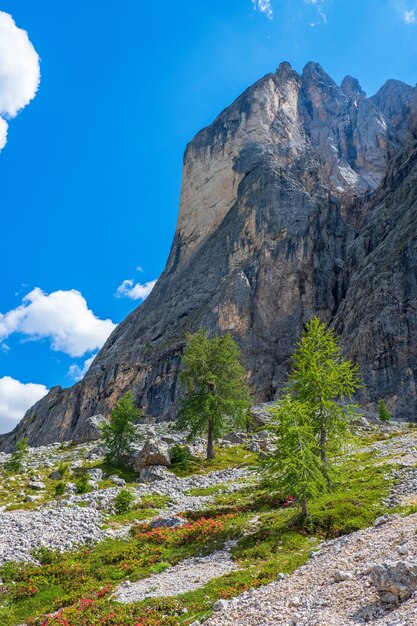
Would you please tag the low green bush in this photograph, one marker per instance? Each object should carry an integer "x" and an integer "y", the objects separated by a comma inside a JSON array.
[
  {"x": 83, "y": 484},
  {"x": 123, "y": 502},
  {"x": 60, "y": 488},
  {"x": 181, "y": 457},
  {"x": 63, "y": 468}
]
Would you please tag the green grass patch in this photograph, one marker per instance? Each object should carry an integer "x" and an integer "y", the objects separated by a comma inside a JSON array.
[
  {"x": 226, "y": 458},
  {"x": 153, "y": 501},
  {"x": 136, "y": 515},
  {"x": 355, "y": 501}
]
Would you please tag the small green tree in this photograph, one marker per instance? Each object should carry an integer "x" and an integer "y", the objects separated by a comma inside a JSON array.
[
  {"x": 83, "y": 484},
  {"x": 216, "y": 394},
  {"x": 16, "y": 463},
  {"x": 295, "y": 468},
  {"x": 324, "y": 381},
  {"x": 119, "y": 433},
  {"x": 60, "y": 488},
  {"x": 181, "y": 457},
  {"x": 384, "y": 414},
  {"x": 124, "y": 501}
]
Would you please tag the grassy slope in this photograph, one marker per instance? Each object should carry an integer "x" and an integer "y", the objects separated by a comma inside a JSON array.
[{"x": 269, "y": 541}]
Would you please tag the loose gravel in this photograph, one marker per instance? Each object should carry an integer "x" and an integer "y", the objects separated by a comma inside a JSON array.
[
  {"x": 23, "y": 531},
  {"x": 172, "y": 486},
  {"x": 186, "y": 576},
  {"x": 333, "y": 588},
  {"x": 63, "y": 527}
]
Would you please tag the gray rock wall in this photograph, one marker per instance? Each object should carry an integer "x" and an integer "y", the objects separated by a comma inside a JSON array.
[{"x": 298, "y": 200}]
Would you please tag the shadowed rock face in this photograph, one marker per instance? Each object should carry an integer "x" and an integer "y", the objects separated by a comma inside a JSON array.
[{"x": 298, "y": 200}]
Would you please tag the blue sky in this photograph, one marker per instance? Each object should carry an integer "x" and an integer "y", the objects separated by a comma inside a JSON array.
[{"x": 91, "y": 172}]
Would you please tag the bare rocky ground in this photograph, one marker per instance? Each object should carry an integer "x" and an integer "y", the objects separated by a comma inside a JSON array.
[
  {"x": 60, "y": 528},
  {"x": 66, "y": 524},
  {"x": 186, "y": 576},
  {"x": 334, "y": 588},
  {"x": 77, "y": 519}
]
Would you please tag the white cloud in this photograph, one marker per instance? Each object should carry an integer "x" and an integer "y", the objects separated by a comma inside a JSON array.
[
  {"x": 3, "y": 133},
  {"x": 15, "y": 399},
  {"x": 135, "y": 291},
  {"x": 61, "y": 316},
  {"x": 77, "y": 373},
  {"x": 265, "y": 7},
  {"x": 19, "y": 71},
  {"x": 319, "y": 7},
  {"x": 409, "y": 17}
]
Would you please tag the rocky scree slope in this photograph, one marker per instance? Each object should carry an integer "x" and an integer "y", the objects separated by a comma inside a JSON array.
[
  {"x": 369, "y": 575},
  {"x": 290, "y": 200}
]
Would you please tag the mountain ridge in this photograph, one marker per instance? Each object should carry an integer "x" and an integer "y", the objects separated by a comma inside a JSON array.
[{"x": 276, "y": 194}]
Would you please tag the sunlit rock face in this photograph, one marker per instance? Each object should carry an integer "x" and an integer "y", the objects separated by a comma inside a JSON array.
[
  {"x": 298, "y": 200},
  {"x": 290, "y": 117}
]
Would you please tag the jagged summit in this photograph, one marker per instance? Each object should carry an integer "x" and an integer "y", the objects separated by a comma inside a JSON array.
[
  {"x": 298, "y": 200},
  {"x": 352, "y": 88}
]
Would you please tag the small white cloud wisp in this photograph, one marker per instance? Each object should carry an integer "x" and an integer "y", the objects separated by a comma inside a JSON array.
[
  {"x": 319, "y": 6},
  {"x": 19, "y": 72},
  {"x": 409, "y": 16},
  {"x": 264, "y": 7},
  {"x": 15, "y": 399},
  {"x": 63, "y": 317},
  {"x": 77, "y": 373},
  {"x": 134, "y": 291}
]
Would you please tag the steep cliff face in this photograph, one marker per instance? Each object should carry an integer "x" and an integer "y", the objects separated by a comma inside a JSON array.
[
  {"x": 377, "y": 319},
  {"x": 279, "y": 220}
]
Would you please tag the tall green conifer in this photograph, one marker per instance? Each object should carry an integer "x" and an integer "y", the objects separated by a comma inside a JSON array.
[
  {"x": 295, "y": 468},
  {"x": 216, "y": 396},
  {"x": 324, "y": 381}
]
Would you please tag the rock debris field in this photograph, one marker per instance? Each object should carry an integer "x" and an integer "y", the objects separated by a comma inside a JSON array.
[
  {"x": 186, "y": 576},
  {"x": 334, "y": 588},
  {"x": 59, "y": 528},
  {"x": 64, "y": 527}
]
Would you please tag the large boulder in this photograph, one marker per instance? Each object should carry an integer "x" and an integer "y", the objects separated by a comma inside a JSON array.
[
  {"x": 169, "y": 521},
  {"x": 154, "y": 473},
  {"x": 260, "y": 414},
  {"x": 395, "y": 581},
  {"x": 235, "y": 438},
  {"x": 154, "y": 452},
  {"x": 89, "y": 429}
]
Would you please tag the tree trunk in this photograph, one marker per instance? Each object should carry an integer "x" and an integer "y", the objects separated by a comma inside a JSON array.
[
  {"x": 210, "y": 440},
  {"x": 304, "y": 507},
  {"x": 323, "y": 438}
]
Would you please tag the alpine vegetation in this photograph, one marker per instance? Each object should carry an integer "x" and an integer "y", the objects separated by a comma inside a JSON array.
[
  {"x": 216, "y": 396},
  {"x": 313, "y": 418}
]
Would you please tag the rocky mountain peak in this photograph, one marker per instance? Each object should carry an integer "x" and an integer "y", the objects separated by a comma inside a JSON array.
[
  {"x": 284, "y": 70},
  {"x": 352, "y": 88},
  {"x": 394, "y": 100},
  {"x": 286, "y": 212}
]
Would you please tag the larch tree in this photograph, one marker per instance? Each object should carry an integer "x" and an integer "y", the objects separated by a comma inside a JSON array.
[
  {"x": 295, "y": 468},
  {"x": 216, "y": 396},
  {"x": 119, "y": 433},
  {"x": 325, "y": 382}
]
